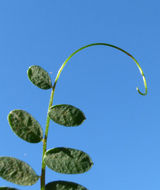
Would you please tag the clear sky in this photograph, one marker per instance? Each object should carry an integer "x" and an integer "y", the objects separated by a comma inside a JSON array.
[{"x": 122, "y": 130}]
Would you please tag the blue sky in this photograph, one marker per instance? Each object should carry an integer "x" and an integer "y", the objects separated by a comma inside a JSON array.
[{"x": 121, "y": 133}]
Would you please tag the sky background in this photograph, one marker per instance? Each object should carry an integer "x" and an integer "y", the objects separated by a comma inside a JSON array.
[{"x": 122, "y": 130}]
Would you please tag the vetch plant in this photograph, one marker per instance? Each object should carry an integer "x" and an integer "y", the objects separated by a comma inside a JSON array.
[{"x": 60, "y": 159}]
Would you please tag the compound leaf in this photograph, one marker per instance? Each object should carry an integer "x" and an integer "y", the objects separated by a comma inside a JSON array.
[
  {"x": 67, "y": 160},
  {"x": 66, "y": 115},
  {"x": 17, "y": 171},
  {"x": 25, "y": 126},
  {"x": 64, "y": 185},
  {"x": 39, "y": 77}
]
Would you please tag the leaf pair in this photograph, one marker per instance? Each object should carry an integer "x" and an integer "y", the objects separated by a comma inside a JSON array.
[
  {"x": 66, "y": 115},
  {"x": 27, "y": 128},
  {"x": 61, "y": 160}
]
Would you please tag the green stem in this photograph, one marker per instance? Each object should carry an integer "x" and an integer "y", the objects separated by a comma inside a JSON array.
[
  {"x": 45, "y": 141},
  {"x": 52, "y": 95}
]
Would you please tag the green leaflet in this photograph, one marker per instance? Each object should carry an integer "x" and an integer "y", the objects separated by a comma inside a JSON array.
[
  {"x": 67, "y": 160},
  {"x": 25, "y": 126},
  {"x": 64, "y": 185},
  {"x": 7, "y": 188},
  {"x": 66, "y": 115},
  {"x": 17, "y": 171},
  {"x": 39, "y": 77}
]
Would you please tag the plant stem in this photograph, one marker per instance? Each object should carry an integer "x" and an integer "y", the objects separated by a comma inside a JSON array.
[{"x": 45, "y": 141}]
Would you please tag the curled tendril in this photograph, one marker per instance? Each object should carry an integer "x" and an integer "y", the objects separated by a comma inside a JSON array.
[{"x": 104, "y": 44}]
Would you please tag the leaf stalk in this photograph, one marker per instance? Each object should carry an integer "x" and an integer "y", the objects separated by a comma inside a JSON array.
[{"x": 45, "y": 141}]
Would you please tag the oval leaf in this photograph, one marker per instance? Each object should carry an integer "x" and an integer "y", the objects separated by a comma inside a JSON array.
[
  {"x": 25, "y": 126},
  {"x": 39, "y": 77},
  {"x": 66, "y": 115},
  {"x": 64, "y": 185},
  {"x": 67, "y": 160},
  {"x": 7, "y": 188},
  {"x": 17, "y": 171}
]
